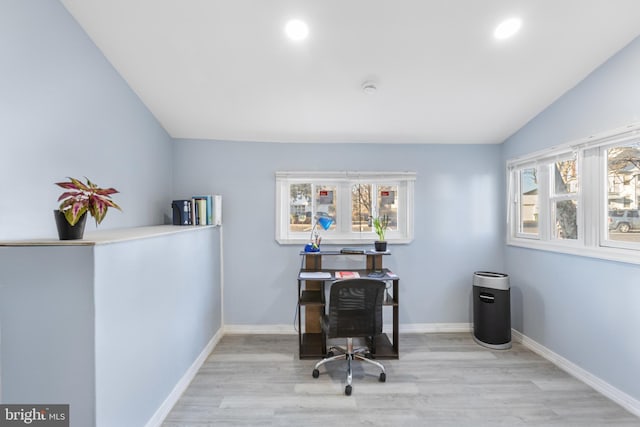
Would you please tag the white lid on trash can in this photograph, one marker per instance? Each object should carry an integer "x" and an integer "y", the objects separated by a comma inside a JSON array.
[{"x": 489, "y": 279}]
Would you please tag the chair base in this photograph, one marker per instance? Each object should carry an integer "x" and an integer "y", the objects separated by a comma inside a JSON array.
[{"x": 350, "y": 354}]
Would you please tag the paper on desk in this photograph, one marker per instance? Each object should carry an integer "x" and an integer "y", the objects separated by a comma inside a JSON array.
[
  {"x": 347, "y": 274},
  {"x": 315, "y": 275}
]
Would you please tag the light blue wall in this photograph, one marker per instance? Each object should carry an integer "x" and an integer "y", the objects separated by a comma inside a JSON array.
[
  {"x": 458, "y": 212},
  {"x": 64, "y": 111},
  {"x": 47, "y": 328},
  {"x": 584, "y": 309},
  {"x": 157, "y": 306}
]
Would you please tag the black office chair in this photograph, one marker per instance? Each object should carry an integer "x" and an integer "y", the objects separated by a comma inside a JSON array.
[{"x": 355, "y": 311}]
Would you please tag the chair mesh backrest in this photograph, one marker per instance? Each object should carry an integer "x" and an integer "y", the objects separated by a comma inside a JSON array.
[{"x": 355, "y": 308}]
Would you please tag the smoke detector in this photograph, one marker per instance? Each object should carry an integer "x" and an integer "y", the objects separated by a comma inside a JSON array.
[{"x": 369, "y": 87}]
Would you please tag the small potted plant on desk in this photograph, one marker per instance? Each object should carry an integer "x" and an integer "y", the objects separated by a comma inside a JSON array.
[
  {"x": 79, "y": 199},
  {"x": 380, "y": 225}
]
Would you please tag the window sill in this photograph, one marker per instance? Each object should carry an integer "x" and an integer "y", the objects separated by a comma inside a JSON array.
[
  {"x": 629, "y": 256},
  {"x": 345, "y": 241}
]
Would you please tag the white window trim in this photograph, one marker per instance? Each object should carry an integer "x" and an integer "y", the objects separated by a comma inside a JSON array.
[
  {"x": 404, "y": 180},
  {"x": 592, "y": 198}
]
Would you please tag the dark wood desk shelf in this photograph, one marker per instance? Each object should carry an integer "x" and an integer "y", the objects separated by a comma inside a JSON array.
[
  {"x": 312, "y": 304},
  {"x": 311, "y": 298}
]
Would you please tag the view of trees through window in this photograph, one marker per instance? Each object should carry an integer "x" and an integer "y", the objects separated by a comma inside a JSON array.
[
  {"x": 565, "y": 197},
  {"x": 361, "y": 208},
  {"x": 364, "y": 207},
  {"x": 563, "y": 200}
]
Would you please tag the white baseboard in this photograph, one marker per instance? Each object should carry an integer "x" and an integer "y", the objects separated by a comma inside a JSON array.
[
  {"x": 259, "y": 329},
  {"x": 180, "y": 387},
  {"x": 419, "y": 328},
  {"x": 415, "y": 328},
  {"x": 629, "y": 403}
]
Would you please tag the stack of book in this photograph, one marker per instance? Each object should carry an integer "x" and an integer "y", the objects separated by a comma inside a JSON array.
[{"x": 199, "y": 210}]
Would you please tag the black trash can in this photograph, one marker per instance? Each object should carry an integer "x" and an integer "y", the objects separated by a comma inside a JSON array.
[{"x": 492, "y": 310}]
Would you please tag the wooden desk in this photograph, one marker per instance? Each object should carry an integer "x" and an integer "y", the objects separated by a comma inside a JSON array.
[{"x": 311, "y": 304}]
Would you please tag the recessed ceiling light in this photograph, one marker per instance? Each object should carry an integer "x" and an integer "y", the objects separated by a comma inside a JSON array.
[
  {"x": 507, "y": 28},
  {"x": 296, "y": 29}
]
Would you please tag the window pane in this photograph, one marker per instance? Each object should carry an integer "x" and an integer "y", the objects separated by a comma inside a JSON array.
[
  {"x": 566, "y": 219},
  {"x": 623, "y": 173},
  {"x": 361, "y": 207},
  {"x": 566, "y": 177},
  {"x": 326, "y": 203},
  {"x": 528, "y": 201},
  {"x": 299, "y": 207},
  {"x": 387, "y": 204}
]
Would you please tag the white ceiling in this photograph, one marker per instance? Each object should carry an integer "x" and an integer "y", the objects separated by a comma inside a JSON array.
[{"x": 224, "y": 69}]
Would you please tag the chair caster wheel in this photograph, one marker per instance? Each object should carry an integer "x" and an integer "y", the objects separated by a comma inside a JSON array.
[
  {"x": 315, "y": 373},
  {"x": 347, "y": 390},
  {"x": 383, "y": 377}
]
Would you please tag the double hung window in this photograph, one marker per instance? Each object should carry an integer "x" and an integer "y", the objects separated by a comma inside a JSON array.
[{"x": 546, "y": 199}]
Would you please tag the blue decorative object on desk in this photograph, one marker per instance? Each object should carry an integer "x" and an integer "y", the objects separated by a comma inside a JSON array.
[{"x": 311, "y": 247}]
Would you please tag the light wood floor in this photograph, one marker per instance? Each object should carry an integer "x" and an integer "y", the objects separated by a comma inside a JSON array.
[{"x": 439, "y": 380}]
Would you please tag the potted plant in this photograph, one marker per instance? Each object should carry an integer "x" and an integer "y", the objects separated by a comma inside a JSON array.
[
  {"x": 380, "y": 224},
  {"x": 79, "y": 199}
]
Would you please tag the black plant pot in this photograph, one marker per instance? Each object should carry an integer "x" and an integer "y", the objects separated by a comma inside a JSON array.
[
  {"x": 380, "y": 245},
  {"x": 67, "y": 231}
]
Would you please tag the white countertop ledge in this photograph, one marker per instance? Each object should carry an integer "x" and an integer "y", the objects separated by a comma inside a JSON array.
[{"x": 104, "y": 237}]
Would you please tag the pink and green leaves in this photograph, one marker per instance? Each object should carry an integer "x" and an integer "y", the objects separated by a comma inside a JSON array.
[{"x": 81, "y": 198}]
